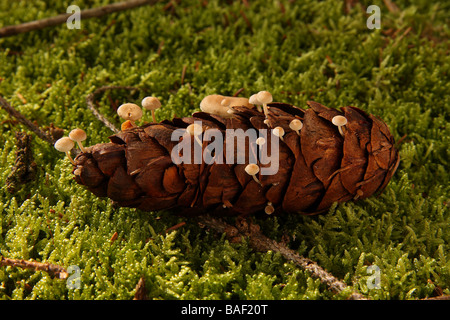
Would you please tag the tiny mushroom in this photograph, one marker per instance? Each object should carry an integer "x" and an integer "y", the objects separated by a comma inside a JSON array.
[
  {"x": 226, "y": 103},
  {"x": 359, "y": 193},
  {"x": 78, "y": 135},
  {"x": 195, "y": 130},
  {"x": 296, "y": 125},
  {"x": 221, "y": 105},
  {"x": 130, "y": 111},
  {"x": 252, "y": 169},
  {"x": 269, "y": 209},
  {"x": 339, "y": 121},
  {"x": 212, "y": 104},
  {"x": 65, "y": 144},
  {"x": 254, "y": 100},
  {"x": 279, "y": 132},
  {"x": 265, "y": 97},
  {"x": 260, "y": 141},
  {"x": 151, "y": 103},
  {"x": 239, "y": 102}
]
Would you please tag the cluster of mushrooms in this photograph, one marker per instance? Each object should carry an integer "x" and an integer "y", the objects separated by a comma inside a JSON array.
[
  {"x": 130, "y": 112},
  {"x": 213, "y": 104}
]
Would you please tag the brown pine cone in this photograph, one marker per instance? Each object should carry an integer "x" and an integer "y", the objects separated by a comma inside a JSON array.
[{"x": 317, "y": 164}]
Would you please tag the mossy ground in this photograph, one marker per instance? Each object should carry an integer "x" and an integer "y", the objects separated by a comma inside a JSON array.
[{"x": 307, "y": 50}]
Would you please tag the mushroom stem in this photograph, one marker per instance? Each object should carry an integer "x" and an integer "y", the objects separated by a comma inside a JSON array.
[
  {"x": 81, "y": 146},
  {"x": 266, "y": 109},
  {"x": 252, "y": 169},
  {"x": 70, "y": 158},
  {"x": 256, "y": 179},
  {"x": 153, "y": 116}
]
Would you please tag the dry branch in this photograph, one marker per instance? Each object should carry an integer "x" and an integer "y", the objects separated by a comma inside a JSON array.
[
  {"x": 52, "y": 269},
  {"x": 62, "y": 18},
  {"x": 16, "y": 114},
  {"x": 260, "y": 242}
]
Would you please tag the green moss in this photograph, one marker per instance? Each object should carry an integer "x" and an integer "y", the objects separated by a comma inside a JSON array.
[{"x": 299, "y": 51}]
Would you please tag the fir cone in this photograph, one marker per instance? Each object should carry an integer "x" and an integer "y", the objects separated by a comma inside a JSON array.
[{"x": 318, "y": 164}]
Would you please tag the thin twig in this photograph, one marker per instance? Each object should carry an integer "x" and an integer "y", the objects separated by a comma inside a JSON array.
[
  {"x": 52, "y": 269},
  {"x": 260, "y": 242},
  {"x": 90, "y": 103},
  {"x": 16, "y": 114},
  {"x": 62, "y": 18},
  {"x": 238, "y": 92},
  {"x": 175, "y": 227}
]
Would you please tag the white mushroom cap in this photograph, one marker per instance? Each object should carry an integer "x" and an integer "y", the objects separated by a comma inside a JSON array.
[
  {"x": 254, "y": 99},
  {"x": 65, "y": 144},
  {"x": 239, "y": 101},
  {"x": 278, "y": 131},
  {"x": 213, "y": 104},
  {"x": 252, "y": 169},
  {"x": 264, "y": 97},
  {"x": 220, "y": 105},
  {"x": 130, "y": 111},
  {"x": 78, "y": 135},
  {"x": 225, "y": 102},
  {"x": 296, "y": 124},
  {"x": 151, "y": 103},
  {"x": 339, "y": 121},
  {"x": 194, "y": 129},
  {"x": 260, "y": 141}
]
